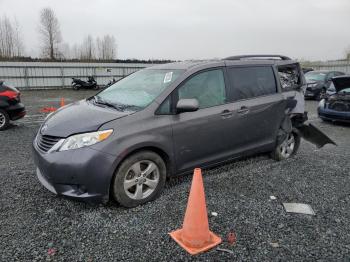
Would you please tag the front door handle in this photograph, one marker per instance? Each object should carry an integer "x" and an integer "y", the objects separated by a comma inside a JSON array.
[
  {"x": 226, "y": 113},
  {"x": 243, "y": 110}
]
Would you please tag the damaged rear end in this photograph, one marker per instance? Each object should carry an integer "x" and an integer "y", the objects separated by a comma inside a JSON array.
[{"x": 293, "y": 86}]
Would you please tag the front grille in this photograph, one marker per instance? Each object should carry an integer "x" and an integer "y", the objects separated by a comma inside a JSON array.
[
  {"x": 45, "y": 143},
  {"x": 338, "y": 106}
]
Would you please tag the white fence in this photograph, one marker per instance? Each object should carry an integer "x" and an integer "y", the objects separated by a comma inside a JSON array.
[{"x": 32, "y": 75}]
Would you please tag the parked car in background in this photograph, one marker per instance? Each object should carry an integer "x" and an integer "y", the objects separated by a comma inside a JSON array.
[
  {"x": 307, "y": 69},
  {"x": 166, "y": 120},
  {"x": 336, "y": 107},
  {"x": 318, "y": 82},
  {"x": 11, "y": 107}
]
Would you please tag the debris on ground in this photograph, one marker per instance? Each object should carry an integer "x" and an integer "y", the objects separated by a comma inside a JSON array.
[
  {"x": 273, "y": 197},
  {"x": 225, "y": 250},
  {"x": 51, "y": 251},
  {"x": 214, "y": 214},
  {"x": 231, "y": 238},
  {"x": 298, "y": 208},
  {"x": 274, "y": 244}
]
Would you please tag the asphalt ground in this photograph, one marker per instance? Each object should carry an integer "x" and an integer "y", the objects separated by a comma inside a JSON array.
[{"x": 36, "y": 225}]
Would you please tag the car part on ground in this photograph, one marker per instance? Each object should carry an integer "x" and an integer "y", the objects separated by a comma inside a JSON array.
[
  {"x": 11, "y": 107},
  {"x": 336, "y": 107}
]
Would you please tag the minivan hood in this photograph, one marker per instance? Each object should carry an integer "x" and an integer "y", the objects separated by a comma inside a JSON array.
[
  {"x": 341, "y": 83},
  {"x": 79, "y": 117}
]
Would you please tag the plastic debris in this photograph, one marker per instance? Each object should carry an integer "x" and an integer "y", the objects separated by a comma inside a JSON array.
[
  {"x": 225, "y": 250},
  {"x": 273, "y": 197},
  {"x": 274, "y": 244},
  {"x": 51, "y": 251},
  {"x": 231, "y": 238},
  {"x": 298, "y": 208},
  {"x": 214, "y": 214}
]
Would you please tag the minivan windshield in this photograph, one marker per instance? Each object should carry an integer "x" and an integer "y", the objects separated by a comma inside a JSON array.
[
  {"x": 315, "y": 76},
  {"x": 139, "y": 89}
]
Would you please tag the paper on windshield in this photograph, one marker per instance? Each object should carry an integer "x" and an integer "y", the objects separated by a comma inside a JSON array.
[{"x": 168, "y": 76}]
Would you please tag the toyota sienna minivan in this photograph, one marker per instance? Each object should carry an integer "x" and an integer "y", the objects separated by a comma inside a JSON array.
[{"x": 164, "y": 121}]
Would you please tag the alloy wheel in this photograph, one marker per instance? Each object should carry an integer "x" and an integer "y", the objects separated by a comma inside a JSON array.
[
  {"x": 141, "y": 179},
  {"x": 287, "y": 146}
]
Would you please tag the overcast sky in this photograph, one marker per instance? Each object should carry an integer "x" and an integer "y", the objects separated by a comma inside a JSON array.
[{"x": 196, "y": 29}]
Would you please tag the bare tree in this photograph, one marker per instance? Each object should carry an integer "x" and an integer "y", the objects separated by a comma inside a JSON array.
[
  {"x": 106, "y": 47},
  {"x": 50, "y": 32},
  {"x": 88, "y": 48},
  {"x": 10, "y": 41}
]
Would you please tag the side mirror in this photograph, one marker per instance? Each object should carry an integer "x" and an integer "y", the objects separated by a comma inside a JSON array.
[{"x": 187, "y": 105}]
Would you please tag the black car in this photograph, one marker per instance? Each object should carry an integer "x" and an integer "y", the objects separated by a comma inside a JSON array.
[
  {"x": 11, "y": 107},
  {"x": 318, "y": 82},
  {"x": 336, "y": 107}
]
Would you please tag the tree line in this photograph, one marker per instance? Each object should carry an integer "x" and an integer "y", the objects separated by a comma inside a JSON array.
[{"x": 52, "y": 46}]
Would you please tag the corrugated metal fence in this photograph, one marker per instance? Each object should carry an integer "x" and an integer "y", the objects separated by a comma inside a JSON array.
[
  {"x": 342, "y": 66},
  {"x": 30, "y": 75}
]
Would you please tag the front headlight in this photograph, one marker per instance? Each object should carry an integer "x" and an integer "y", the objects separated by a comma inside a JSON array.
[
  {"x": 313, "y": 85},
  {"x": 82, "y": 140},
  {"x": 321, "y": 103}
]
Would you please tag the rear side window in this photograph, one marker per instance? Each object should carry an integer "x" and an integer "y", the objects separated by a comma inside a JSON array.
[
  {"x": 249, "y": 82},
  {"x": 290, "y": 77}
]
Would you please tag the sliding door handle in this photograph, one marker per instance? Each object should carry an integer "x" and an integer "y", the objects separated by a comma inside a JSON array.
[{"x": 243, "y": 110}]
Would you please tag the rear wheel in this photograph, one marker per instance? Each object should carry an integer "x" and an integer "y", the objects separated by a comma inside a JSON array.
[
  {"x": 287, "y": 148},
  {"x": 4, "y": 120},
  {"x": 139, "y": 179},
  {"x": 76, "y": 87}
]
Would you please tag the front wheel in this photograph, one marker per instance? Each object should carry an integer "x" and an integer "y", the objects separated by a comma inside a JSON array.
[
  {"x": 139, "y": 179},
  {"x": 76, "y": 87},
  {"x": 287, "y": 148},
  {"x": 4, "y": 120}
]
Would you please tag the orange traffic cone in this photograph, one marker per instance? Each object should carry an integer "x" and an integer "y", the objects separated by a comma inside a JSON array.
[
  {"x": 62, "y": 102},
  {"x": 195, "y": 236}
]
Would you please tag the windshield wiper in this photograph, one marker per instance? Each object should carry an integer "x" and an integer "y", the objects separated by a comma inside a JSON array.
[
  {"x": 100, "y": 101},
  {"x": 119, "y": 107}
]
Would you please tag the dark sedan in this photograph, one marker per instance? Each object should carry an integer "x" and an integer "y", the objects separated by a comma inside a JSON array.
[
  {"x": 318, "y": 82},
  {"x": 337, "y": 106}
]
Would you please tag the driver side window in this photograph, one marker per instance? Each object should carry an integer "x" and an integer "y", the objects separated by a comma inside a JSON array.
[{"x": 207, "y": 87}]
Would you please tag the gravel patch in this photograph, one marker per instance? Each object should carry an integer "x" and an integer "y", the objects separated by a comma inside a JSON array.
[{"x": 36, "y": 225}]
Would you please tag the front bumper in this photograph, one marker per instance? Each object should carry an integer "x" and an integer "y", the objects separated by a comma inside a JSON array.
[
  {"x": 16, "y": 111},
  {"x": 333, "y": 115},
  {"x": 311, "y": 93},
  {"x": 83, "y": 174}
]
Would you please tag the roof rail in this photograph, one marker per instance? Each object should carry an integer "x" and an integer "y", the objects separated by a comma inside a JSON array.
[{"x": 240, "y": 57}]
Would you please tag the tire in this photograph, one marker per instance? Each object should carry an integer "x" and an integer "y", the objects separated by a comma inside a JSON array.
[
  {"x": 96, "y": 87},
  {"x": 4, "y": 120},
  {"x": 76, "y": 87},
  {"x": 130, "y": 187},
  {"x": 287, "y": 148}
]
